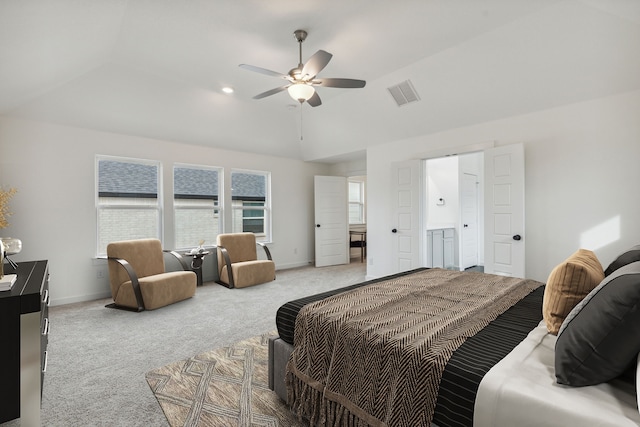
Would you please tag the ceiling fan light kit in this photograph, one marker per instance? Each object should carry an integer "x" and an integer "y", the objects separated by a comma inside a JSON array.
[
  {"x": 301, "y": 92},
  {"x": 302, "y": 78}
]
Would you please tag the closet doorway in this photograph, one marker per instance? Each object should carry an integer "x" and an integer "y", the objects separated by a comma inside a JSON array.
[{"x": 454, "y": 206}]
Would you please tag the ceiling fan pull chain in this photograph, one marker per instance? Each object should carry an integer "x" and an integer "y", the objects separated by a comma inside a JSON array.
[{"x": 301, "y": 123}]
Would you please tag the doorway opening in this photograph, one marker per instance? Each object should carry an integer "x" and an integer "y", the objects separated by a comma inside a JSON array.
[
  {"x": 454, "y": 212},
  {"x": 357, "y": 218}
]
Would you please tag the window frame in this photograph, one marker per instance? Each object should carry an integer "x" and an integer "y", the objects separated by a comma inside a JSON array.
[
  {"x": 360, "y": 203},
  {"x": 220, "y": 200},
  {"x": 99, "y": 207},
  {"x": 267, "y": 236}
]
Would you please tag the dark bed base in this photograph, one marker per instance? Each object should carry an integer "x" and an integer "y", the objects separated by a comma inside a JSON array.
[{"x": 279, "y": 352}]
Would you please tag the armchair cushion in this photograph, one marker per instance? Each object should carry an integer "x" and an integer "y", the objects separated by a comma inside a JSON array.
[
  {"x": 249, "y": 273},
  {"x": 144, "y": 255},
  {"x": 240, "y": 246},
  {"x": 159, "y": 290}
]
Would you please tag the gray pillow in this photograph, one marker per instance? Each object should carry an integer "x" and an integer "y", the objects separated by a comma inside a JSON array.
[
  {"x": 632, "y": 255},
  {"x": 601, "y": 335}
]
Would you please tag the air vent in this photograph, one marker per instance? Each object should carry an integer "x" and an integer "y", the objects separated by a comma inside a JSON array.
[{"x": 404, "y": 93}]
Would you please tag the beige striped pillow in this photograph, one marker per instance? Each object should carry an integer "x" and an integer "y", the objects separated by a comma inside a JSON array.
[{"x": 568, "y": 284}]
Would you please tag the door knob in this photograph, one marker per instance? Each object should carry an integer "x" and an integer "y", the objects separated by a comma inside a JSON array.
[
  {"x": 394, "y": 230},
  {"x": 318, "y": 225},
  {"x": 517, "y": 237},
  {"x": 466, "y": 225}
]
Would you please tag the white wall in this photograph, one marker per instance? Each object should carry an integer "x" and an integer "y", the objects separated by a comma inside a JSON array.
[
  {"x": 580, "y": 181},
  {"x": 350, "y": 168},
  {"x": 54, "y": 211},
  {"x": 442, "y": 184}
]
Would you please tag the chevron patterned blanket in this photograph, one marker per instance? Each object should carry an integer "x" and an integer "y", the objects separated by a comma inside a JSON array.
[{"x": 374, "y": 356}]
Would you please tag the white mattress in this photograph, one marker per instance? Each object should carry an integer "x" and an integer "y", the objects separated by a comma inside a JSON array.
[{"x": 521, "y": 391}]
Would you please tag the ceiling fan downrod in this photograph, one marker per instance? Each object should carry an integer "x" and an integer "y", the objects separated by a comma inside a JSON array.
[{"x": 301, "y": 36}]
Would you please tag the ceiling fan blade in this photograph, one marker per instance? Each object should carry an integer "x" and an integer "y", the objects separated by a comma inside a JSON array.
[
  {"x": 263, "y": 71},
  {"x": 343, "y": 83},
  {"x": 270, "y": 92},
  {"x": 315, "y": 64},
  {"x": 314, "y": 101}
]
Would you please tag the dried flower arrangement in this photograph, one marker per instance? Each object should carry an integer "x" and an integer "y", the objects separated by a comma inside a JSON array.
[{"x": 4, "y": 205}]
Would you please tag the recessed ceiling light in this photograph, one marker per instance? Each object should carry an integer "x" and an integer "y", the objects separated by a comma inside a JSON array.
[{"x": 227, "y": 89}]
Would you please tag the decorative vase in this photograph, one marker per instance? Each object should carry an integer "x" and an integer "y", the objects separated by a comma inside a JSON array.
[
  {"x": 12, "y": 245},
  {"x": 8, "y": 246}
]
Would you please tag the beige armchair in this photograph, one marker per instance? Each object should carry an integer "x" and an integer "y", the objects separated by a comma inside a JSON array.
[
  {"x": 138, "y": 278},
  {"x": 238, "y": 263}
]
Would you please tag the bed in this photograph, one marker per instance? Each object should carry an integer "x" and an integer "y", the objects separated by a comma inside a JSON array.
[{"x": 383, "y": 353}]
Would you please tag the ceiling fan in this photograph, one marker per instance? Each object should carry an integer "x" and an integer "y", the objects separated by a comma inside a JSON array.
[{"x": 303, "y": 78}]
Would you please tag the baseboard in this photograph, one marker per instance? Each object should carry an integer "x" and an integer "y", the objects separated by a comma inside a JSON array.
[
  {"x": 293, "y": 265},
  {"x": 83, "y": 298}
]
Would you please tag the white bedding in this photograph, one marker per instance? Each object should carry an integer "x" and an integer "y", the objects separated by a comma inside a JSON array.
[{"x": 521, "y": 391}]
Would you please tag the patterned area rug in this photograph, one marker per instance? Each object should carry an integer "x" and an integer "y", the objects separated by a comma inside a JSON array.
[{"x": 223, "y": 387}]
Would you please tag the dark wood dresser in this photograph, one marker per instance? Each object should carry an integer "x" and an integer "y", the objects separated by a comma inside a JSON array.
[{"x": 24, "y": 330}]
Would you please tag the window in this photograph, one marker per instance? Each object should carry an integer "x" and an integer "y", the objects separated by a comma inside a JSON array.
[
  {"x": 356, "y": 202},
  {"x": 253, "y": 219},
  {"x": 127, "y": 200},
  {"x": 197, "y": 205},
  {"x": 251, "y": 203}
]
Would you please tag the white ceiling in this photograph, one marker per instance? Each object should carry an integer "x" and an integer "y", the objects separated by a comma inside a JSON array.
[{"x": 155, "y": 68}]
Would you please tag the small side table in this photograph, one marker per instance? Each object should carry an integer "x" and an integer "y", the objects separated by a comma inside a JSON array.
[
  {"x": 360, "y": 243},
  {"x": 196, "y": 264}
]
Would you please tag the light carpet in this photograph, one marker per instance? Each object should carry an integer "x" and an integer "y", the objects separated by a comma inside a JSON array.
[{"x": 223, "y": 387}]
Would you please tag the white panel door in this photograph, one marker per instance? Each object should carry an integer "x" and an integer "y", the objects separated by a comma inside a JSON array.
[
  {"x": 406, "y": 243},
  {"x": 331, "y": 220},
  {"x": 504, "y": 215},
  {"x": 469, "y": 214}
]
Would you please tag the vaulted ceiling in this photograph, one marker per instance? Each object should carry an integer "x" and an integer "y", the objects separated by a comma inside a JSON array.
[{"x": 155, "y": 68}]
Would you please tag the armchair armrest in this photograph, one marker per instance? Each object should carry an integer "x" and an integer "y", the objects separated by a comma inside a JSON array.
[
  {"x": 227, "y": 261},
  {"x": 134, "y": 280},
  {"x": 180, "y": 258},
  {"x": 266, "y": 250}
]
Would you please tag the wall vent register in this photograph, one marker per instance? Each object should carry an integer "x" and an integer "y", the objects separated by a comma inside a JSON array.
[{"x": 404, "y": 93}]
